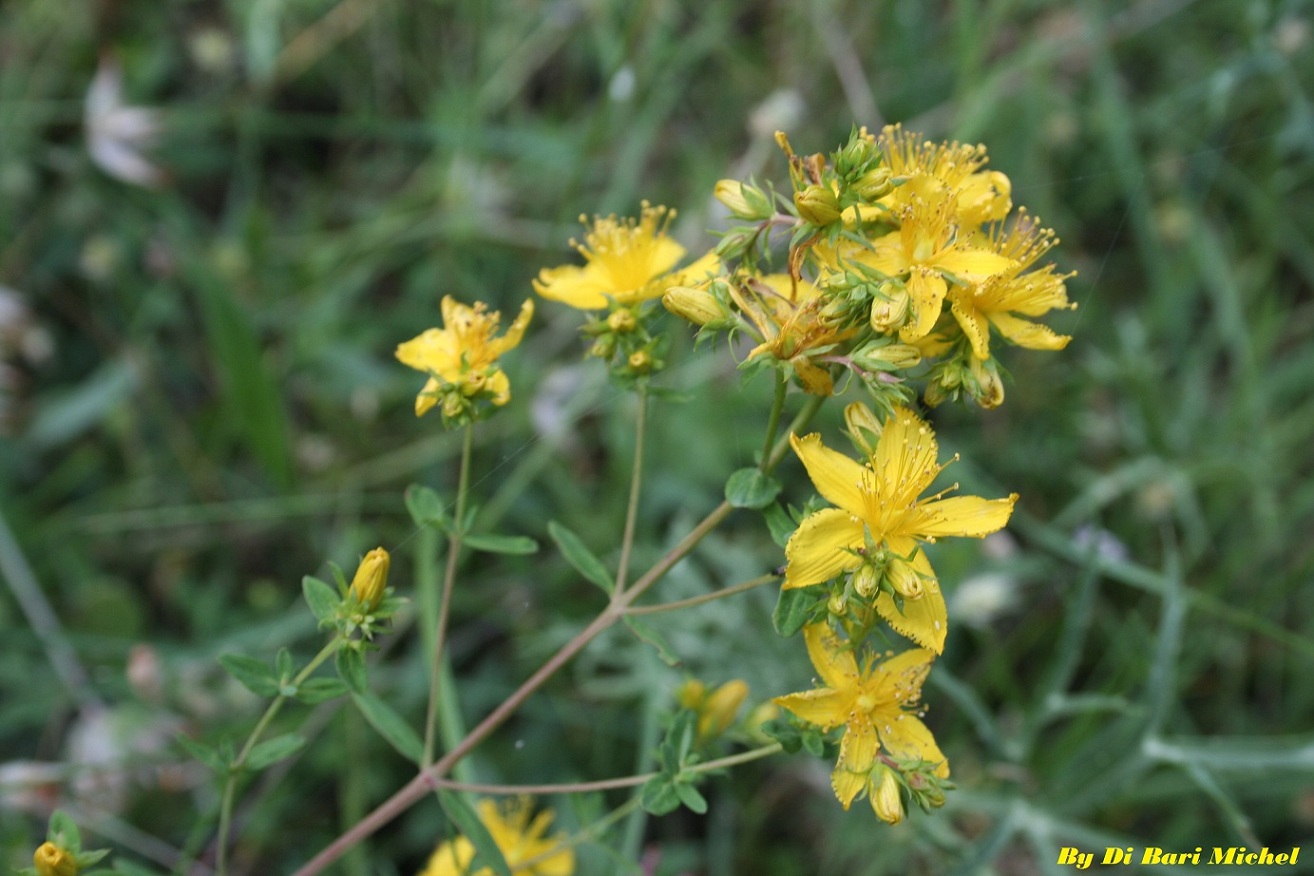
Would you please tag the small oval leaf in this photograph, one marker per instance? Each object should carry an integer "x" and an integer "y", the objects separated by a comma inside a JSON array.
[{"x": 751, "y": 488}]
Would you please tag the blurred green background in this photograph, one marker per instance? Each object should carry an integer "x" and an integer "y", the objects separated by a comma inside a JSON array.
[{"x": 199, "y": 405}]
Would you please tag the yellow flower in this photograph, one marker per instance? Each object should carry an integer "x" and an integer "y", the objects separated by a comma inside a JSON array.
[
  {"x": 625, "y": 260},
  {"x": 880, "y": 502},
  {"x": 995, "y": 300},
  {"x": 980, "y": 195},
  {"x": 51, "y": 860},
  {"x": 520, "y": 841},
  {"x": 927, "y": 248},
  {"x": 873, "y": 705},
  {"x": 462, "y": 356},
  {"x": 371, "y": 578}
]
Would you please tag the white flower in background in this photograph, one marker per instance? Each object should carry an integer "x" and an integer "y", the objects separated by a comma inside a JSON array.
[
  {"x": 118, "y": 135},
  {"x": 982, "y": 599}
]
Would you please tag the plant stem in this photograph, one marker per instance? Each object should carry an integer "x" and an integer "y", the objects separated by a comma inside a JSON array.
[
  {"x": 636, "y": 481},
  {"x": 418, "y": 787},
  {"x": 445, "y": 605},
  {"x": 235, "y": 770},
  {"x": 606, "y": 784},
  {"x": 701, "y": 598},
  {"x": 773, "y": 422}
]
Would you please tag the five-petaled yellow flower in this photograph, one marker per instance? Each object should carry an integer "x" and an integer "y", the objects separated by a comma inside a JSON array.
[
  {"x": 996, "y": 300},
  {"x": 461, "y": 357},
  {"x": 625, "y": 261},
  {"x": 927, "y": 249},
  {"x": 879, "y": 502},
  {"x": 519, "y": 839},
  {"x": 872, "y": 703}
]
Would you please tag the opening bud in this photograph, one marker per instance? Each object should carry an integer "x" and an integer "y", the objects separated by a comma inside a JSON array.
[
  {"x": 885, "y": 798},
  {"x": 890, "y": 309},
  {"x": 866, "y": 582},
  {"x": 864, "y": 427},
  {"x": 988, "y": 389},
  {"x": 817, "y": 205},
  {"x": 694, "y": 303},
  {"x": 874, "y": 184},
  {"x": 904, "y": 579},
  {"x": 622, "y": 321},
  {"x": 744, "y": 201},
  {"x": 371, "y": 578},
  {"x": 51, "y": 860}
]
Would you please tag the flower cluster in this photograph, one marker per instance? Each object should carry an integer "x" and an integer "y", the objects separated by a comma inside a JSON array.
[{"x": 902, "y": 261}]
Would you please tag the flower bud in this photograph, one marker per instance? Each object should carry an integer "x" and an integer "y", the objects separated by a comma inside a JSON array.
[
  {"x": 744, "y": 201},
  {"x": 890, "y": 309},
  {"x": 719, "y": 711},
  {"x": 817, "y": 205},
  {"x": 866, "y": 582},
  {"x": 622, "y": 321},
  {"x": 693, "y": 303},
  {"x": 864, "y": 427},
  {"x": 371, "y": 578},
  {"x": 691, "y": 694},
  {"x": 641, "y": 361},
  {"x": 885, "y": 798},
  {"x": 453, "y": 405},
  {"x": 51, "y": 860},
  {"x": 603, "y": 347},
  {"x": 904, "y": 579},
  {"x": 989, "y": 388},
  {"x": 880, "y": 355},
  {"x": 874, "y": 184}
]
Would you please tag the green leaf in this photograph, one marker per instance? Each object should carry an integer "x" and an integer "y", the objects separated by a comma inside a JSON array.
[
  {"x": 472, "y": 827},
  {"x": 785, "y": 733},
  {"x": 204, "y": 753},
  {"x": 255, "y": 675},
  {"x": 391, "y": 726},
  {"x": 350, "y": 664},
  {"x": 500, "y": 544},
  {"x": 273, "y": 750},
  {"x": 63, "y": 832},
  {"x": 793, "y": 608},
  {"x": 780, "y": 524},
  {"x": 690, "y": 797},
  {"x": 283, "y": 665},
  {"x": 127, "y": 868},
  {"x": 426, "y": 507},
  {"x": 659, "y": 796},
  {"x": 751, "y": 488},
  {"x": 321, "y": 598},
  {"x": 314, "y": 691},
  {"x": 579, "y": 556},
  {"x": 650, "y": 636},
  {"x": 813, "y": 743}
]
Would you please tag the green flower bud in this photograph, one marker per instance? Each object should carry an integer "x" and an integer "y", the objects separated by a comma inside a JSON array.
[{"x": 817, "y": 205}]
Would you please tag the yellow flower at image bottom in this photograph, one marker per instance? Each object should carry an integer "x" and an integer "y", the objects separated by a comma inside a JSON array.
[
  {"x": 872, "y": 703},
  {"x": 519, "y": 838}
]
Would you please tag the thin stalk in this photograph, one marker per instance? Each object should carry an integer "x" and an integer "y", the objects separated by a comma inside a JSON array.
[
  {"x": 606, "y": 784},
  {"x": 445, "y": 605},
  {"x": 422, "y": 784},
  {"x": 230, "y": 787},
  {"x": 636, "y": 481},
  {"x": 773, "y": 422},
  {"x": 701, "y": 598}
]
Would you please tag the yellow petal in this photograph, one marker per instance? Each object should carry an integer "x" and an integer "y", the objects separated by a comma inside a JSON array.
[
  {"x": 905, "y": 736},
  {"x": 819, "y": 549},
  {"x": 858, "y": 749},
  {"x": 898, "y": 681},
  {"x": 886, "y": 255},
  {"x": 984, "y": 197},
  {"x": 434, "y": 350},
  {"x": 924, "y": 620},
  {"x": 824, "y": 707},
  {"x": 905, "y": 460},
  {"x": 700, "y": 269},
  {"x": 1030, "y": 335},
  {"x": 971, "y": 265},
  {"x": 514, "y": 332},
  {"x": 499, "y": 387},
  {"x": 451, "y": 859},
  {"x": 814, "y": 379},
  {"x": 973, "y": 324},
  {"x": 832, "y": 658},
  {"x": 926, "y": 290},
  {"x": 960, "y": 515},
  {"x": 427, "y": 398},
  {"x": 582, "y": 288},
  {"x": 840, "y": 480}
]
